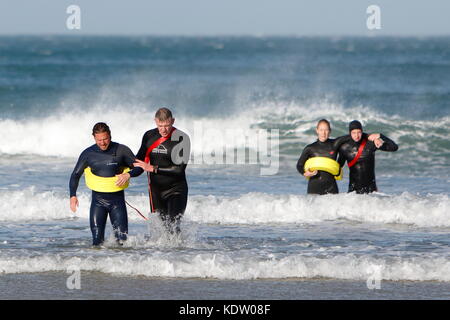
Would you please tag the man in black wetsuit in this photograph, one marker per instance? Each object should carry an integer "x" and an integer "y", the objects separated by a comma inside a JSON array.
[
  {"x": 321, "y": 182},
  {"x": 164, "y": 154},
  {"x": 359, "y": 152},
  {"x": 106, "y": 159}
]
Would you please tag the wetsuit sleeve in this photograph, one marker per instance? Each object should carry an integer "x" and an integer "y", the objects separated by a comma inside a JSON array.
[
  {"x": 340, "y": 141},
  {"x": 172, "y": 170},
  {"x": 388, "y": 144},
  {"x": 301, "y": 161},
  {"x": 143, "y": 149},
  {"x": 341, "y": 159},
  {"x": 141, "y": 153},
  {"x": 77, "y": 173},
  {"x": 128, "y": 158}
]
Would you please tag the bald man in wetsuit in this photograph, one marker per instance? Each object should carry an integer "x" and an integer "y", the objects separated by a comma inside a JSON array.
[
  {"x": 106, "y": 159},
  {"x": 359, "y": 152},
  {"x": 164, "y": 154}
]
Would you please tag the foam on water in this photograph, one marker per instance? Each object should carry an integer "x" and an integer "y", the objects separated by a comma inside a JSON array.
[
  {"x": 251, "y": 208},
  {"x": 66, "y": 134},
  {"x": 423, "y": 143},
  {"x": 254, "y": 208},
  {"x": 29, "y": 205},
  {"x": 236, "y": 266}
]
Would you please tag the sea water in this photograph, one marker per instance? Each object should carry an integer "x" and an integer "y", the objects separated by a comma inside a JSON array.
[{"x": 245, "y": 235}]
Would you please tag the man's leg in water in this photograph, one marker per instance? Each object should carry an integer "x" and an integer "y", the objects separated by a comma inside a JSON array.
[
  {"x": 363, "y": 190},
  {"x": 176, "y": 205},
  {"x": 98, "y": 216},
  {"x": 119, "y": 220}
]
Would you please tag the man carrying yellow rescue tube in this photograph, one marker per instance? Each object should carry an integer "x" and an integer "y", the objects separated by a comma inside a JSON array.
[{"x": 103, "y": 164}]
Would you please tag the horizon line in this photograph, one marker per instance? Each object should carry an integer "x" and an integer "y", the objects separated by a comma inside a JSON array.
[{"x": 243, "y": 35}]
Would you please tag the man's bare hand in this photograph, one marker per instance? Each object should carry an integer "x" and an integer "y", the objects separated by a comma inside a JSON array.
[
  {"x": 146, "y": 166},
  {"x": 122, "y": 179},
  {"x": 378, "y": 143},
  {"x": 310, "y": 173},
  {"x": 373, "y": 136},
  {"x": 73, "y": 204}
]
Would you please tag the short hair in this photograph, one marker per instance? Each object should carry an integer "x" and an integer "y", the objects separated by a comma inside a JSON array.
[
  {"x": 163, "y": 114},
  {"x": 100, "y": 127},
  {"x": 324, "y": 121}
]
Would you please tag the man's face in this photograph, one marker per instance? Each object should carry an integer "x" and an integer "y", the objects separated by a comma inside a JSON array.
[
  {"x": 102, "y": 140},
  {"x": 356, "y": 134},
  {"x": 323, "y": 132},
  {"x": 164, "y": 127}
]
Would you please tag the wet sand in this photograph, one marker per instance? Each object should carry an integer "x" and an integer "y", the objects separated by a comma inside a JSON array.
[{"x": 99, "y": 286}]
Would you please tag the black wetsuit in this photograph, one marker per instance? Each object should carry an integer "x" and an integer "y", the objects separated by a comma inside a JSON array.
[
  {"x": 106, "y": 163},
  {"x": 169, "y": 189},
  {"x": 323, "y": 182},
  {"x": 362, "y": 173}
]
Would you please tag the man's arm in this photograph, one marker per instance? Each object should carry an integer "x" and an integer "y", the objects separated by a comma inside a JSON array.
[
  {"x": 128, "y": 158},
  {"x": 340, "y": 141},
  {"x": 75, "y": 179},
  {"x": 388, "y": 145},
  {"x": 175, "y": 170},
  {"x": 77, "y": 173},
  {"x": 341, "y": 159},
  {"x": 301, "y": 163},
  {"x": 383, "y": 143},
  {"x": 143, "y": 149}
]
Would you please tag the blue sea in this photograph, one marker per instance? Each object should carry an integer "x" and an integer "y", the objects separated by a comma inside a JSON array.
[{"x": 245, "y": 234}]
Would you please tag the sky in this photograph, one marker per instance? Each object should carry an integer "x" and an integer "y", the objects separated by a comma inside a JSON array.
[{"x": 226, "y": 17}]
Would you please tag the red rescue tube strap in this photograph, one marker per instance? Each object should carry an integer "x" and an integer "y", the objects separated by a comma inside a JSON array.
[
  {"x": 360, "y": 150},
  {"x": 147, "y": 160},
  {"x": 156, "y": 144}
]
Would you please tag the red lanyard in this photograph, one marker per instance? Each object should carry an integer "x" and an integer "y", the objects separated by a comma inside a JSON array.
[
  {"x": 156, "y": 144},
  {"x": 360, "y": 150},
  {"x": 147, "y": 160}
]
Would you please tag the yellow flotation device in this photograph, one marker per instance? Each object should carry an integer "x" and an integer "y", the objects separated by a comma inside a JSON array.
[
  {"x": 103, "y": 184},
  {"x": 324, "y": 164}
]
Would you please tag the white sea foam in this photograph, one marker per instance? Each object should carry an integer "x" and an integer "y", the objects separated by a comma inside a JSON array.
[
  {"x": 67, "y": 133},
  {"x": 29, "y": 205},
  {"x": 254, "y": 208},
  {"x": 237, "y": 266},
  {"x": 250, "y": 208}
]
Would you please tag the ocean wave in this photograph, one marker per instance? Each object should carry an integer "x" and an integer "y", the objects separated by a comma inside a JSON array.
[
  {"x": 67, "y": 133},
  {"x": 240, "y": 266},
  {"x": 255, "y": 208},
  {"x": 432, "y": 210}
]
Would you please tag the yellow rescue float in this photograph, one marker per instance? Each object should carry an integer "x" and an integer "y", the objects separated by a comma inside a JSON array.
[
  {"x": 103, "y": 184},
  {"x": 324, "y": 164}
]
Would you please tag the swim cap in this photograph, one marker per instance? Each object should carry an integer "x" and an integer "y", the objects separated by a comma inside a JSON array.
[{"x": 355, "y": 124}]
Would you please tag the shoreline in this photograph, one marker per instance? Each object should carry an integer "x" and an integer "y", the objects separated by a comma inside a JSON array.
[{"x": 100, "y": 286}]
